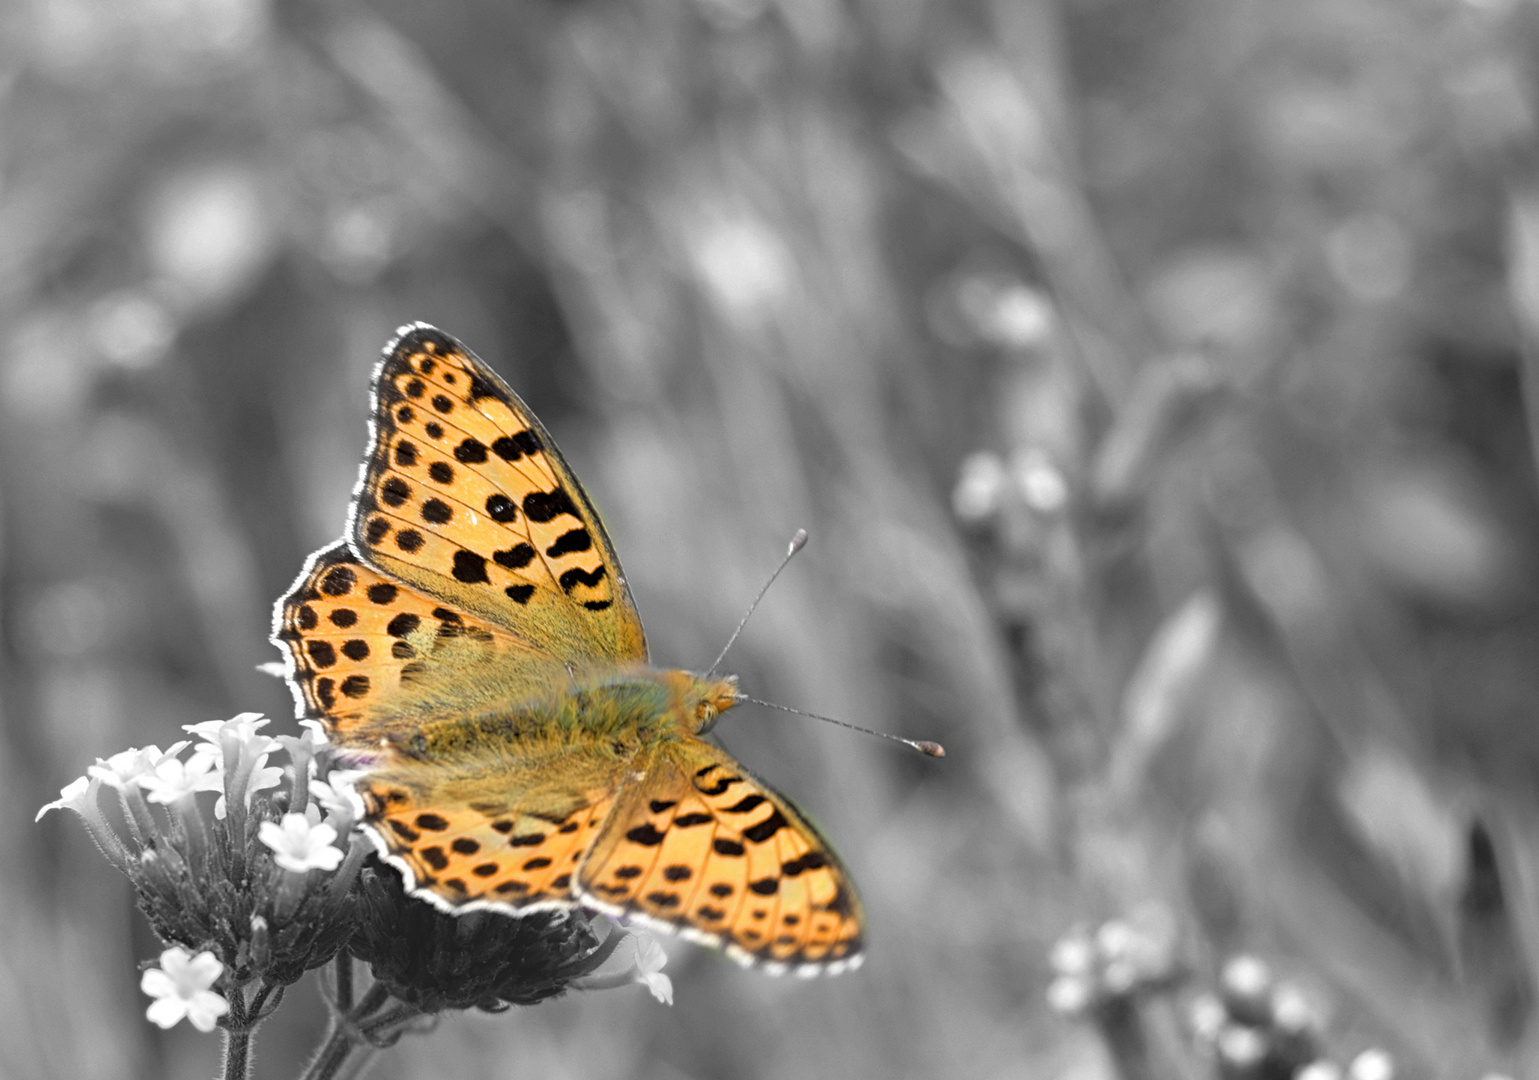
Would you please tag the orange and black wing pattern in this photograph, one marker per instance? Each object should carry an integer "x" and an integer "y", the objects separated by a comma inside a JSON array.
[{"x": 465, "y": 497}]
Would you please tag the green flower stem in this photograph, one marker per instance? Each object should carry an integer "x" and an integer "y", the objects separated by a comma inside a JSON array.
[
  {"x": 186, "y": 819},
  {"x": 357, "y": 851},
  {"x": 342, "y": 969},
  {"x": 333, "y": 1054},
  {"x": 348, "y": 1043},
  {"x": 237, "y": 1038},
  {"x": 136, "y": 814}
]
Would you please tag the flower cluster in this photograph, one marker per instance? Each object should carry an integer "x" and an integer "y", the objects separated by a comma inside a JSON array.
[
  {"x": 1260, "y": 1026},
  {"x": 1115, "y": 962},
  {"x": 228, "y": 861},
  {"x": 246, "y": 858}
]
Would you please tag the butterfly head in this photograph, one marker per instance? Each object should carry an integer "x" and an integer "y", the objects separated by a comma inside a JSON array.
[{"x": 703, "y": 700}]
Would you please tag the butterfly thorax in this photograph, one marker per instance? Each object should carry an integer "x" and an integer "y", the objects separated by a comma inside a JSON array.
[{"x": 618, "y": 713}]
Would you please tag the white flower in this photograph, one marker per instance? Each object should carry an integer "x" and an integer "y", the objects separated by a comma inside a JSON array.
[
  {"x": 335, "y": 793},
  {"x": 174, "y": 779},
  {"x": 243, "y": 727},
  {"x": 650, "y": 959},
  {"x": 300, "y": 846},
  {"x": 124, "y": 768},
  {"x": 316, "y": 730},
  {"x": 75, "y": 795},
  {"x": 180, "y": 987}
]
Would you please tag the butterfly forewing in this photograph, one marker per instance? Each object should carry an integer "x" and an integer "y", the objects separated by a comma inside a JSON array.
[
  {"x": 465, "y": 496},
  {"x": 699, "y": 846},
  {"x": 374, "y": 657}
]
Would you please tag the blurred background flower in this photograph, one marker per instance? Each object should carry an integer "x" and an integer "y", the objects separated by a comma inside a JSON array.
[{"x": 1154, "y": 381}]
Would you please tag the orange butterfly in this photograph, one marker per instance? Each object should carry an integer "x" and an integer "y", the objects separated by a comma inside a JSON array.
[{"x": 472, "y": 644}]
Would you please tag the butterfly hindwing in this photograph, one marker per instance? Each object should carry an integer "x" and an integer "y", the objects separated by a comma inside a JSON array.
[
  {"x": 465, "y": 496},
  {"x": 462, "y": 854},
  {"x": 697, "y": 845}
]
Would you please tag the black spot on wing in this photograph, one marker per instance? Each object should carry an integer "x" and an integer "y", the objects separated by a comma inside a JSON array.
[
  {"x": 573, "y": 540},
  {"x": 746, "y": 803},
  {"x": 501, "y": 509},
  {"x": 515, "y": 558},
  {"x": 394, "y": 491},
  {"x": 470, "y": 451},
  {"x": 645, "y": 835},
  {"x": 721, "y": 785},
  {"x": 543, "y": 506},
  {"x": 512, "y": 448},
  {"x": 339, "y": 581},
  {"x": 812, "y": 860},
  {"x": 470, "y": 568},
  {"x": 576, "y": 576},
  {"x": 766, "y": 828},
  {"x": 403, "y": 624}
]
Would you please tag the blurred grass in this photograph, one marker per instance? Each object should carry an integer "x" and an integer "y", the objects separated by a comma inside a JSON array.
[{"x": 1231, "y": 309}]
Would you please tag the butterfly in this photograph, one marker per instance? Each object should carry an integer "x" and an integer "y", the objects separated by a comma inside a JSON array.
[{"x": 472, "y": 646}]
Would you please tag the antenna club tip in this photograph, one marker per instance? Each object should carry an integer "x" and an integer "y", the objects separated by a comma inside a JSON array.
[
  {"x": 798, "y": 542},
  {"x": 931, "y": 749}
]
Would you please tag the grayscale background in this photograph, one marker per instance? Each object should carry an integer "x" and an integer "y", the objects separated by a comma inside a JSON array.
[{"x": 1154, "y": 380}]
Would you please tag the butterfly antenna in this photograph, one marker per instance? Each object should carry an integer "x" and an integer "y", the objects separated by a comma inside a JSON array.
[
  {"x": 798, "y": 542},
  {"x": 924, "y": 746}
]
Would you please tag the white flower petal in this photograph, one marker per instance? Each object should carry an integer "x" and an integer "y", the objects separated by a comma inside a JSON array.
[
  {"x": 660, "y": 985},
  {"x": 72, "y": 796},
  {"x": 157, "y": 983},
  {"x": 205, "y": 1009},
  {"x": 166, "y": 1011}
]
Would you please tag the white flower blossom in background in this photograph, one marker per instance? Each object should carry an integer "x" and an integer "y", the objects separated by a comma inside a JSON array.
[
  {"x": 174, "y": 779},
  {"x": 73, "y": 796},
  {"x": 180, "y": 987},
  {"x": 125, "y": 768},
  {"x": 650, "y": 959},
  {"x": 299, "y": 846}
]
